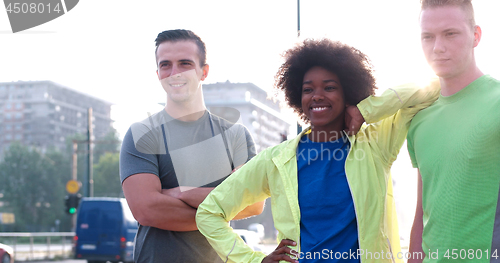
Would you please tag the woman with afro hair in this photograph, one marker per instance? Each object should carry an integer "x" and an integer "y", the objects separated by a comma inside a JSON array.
[{"x": 330, "y": 187}]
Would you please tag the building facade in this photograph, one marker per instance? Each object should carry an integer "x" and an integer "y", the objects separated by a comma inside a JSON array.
[
  {"x": 249, "y": 104},
  {"x": 42, "y": 114}
]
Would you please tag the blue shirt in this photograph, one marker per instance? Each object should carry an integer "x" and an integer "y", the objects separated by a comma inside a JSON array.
[{"x": 328, "y": 225}]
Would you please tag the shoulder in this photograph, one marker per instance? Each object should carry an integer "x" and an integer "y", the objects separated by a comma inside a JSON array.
[
  {"x": 152, "y": 123},
  {"x": 147, "y": 135},
  {"x": 229, "y": 126},
  {"x": 491, "y": 87}
]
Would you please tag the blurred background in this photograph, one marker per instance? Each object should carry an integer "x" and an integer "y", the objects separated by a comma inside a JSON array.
[{"x": 100, "y": 55}]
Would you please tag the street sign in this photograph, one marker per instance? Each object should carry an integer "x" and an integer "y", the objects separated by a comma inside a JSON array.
[
  {"x": 72, "y": 186},
  {"x": 7, "y": 218}
]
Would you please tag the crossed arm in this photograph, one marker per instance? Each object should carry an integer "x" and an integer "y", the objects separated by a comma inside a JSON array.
[{"x": 171, "y": 209}]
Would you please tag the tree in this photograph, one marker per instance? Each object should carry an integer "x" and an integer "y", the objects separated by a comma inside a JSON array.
[
  {"x": 106, "y": 176},
  {"x": 33, "y": 187},
  {"x": 103, "y": 173},
  {"x": 110, "y": 143},
  {"x": 32, "y": 183}
]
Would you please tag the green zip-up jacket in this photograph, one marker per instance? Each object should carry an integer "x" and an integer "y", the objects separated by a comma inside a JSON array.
[{"x": 273, "y": 173}]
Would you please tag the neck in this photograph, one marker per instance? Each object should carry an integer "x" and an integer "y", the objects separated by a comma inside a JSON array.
[
  {"x": 452, "y": 85},
  {"x": 190, "y": 110},
  {"x": 325, "y": 135}
]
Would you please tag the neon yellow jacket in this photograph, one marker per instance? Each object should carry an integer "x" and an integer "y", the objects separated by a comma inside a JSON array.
[{"x": 273, "y": 173}]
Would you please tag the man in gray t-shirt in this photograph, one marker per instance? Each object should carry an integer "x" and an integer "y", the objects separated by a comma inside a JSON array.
[{"x": 170, "y": 161}]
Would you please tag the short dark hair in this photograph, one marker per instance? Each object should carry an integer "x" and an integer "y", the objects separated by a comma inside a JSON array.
[
  {"x": 176, "y": 35},
  {"x": 466, "y": 5},
  {"x": 353, "y": 68}
]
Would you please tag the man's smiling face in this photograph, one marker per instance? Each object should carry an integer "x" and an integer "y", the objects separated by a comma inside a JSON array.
[{"x": 179, "y": 69}]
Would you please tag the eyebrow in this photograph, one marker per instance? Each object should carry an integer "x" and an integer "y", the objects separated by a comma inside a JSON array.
[
  {"x": 181, "y": 60},
  {"x": 443, "y": 31},
  {"x": 324, "y": 81},
  {"x": 450, "y": 29}
]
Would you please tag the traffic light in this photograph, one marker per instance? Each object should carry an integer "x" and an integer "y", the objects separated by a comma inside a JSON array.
[{"x": 71, "y": 202}]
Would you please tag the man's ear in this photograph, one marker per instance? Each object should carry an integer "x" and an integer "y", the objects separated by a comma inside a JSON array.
[
  {"x": 205, "y": 72},
  {"x": 477, "y": 35},
  {"x": 157, "y": 74}
]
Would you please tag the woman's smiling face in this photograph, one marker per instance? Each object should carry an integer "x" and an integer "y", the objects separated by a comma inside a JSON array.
[{"x": 323, "y": 99}]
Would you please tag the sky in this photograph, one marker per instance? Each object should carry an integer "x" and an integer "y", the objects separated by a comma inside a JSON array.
[{"x": 106, "y": 48}]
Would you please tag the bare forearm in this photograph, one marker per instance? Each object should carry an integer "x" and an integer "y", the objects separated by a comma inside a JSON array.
[
  {"x": 415, "y": 248},
  {"x": 418, "y": 228},
  {"x": 152, "y": 208},
  {"x": 251, "y": 210},
  {"x": 195, "y": 196},
  {"x": 169, "y": 214}
]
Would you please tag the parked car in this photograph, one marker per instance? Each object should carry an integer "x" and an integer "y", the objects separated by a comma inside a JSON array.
[
  {"x": 251, "y": 238},
  {"x": 6, "y": 254},
  {"x": 105, "y": 230}
]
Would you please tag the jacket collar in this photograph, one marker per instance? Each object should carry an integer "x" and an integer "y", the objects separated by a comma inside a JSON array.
[{"x": 289, "y": 150}]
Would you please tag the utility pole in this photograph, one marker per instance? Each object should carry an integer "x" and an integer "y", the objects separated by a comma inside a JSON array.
[
  {"x": 298, "y": 18},
  {"x": 299, "y": 128},
  {"x": 89, "y": 190},
  {"x": 75, "y": 160}
]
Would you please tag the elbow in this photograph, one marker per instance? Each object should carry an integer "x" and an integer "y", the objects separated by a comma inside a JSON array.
[
  {"x": 200, "y": 218},
  {"x": 145, "y": 221},
  {"x": 143, "y": 217}
]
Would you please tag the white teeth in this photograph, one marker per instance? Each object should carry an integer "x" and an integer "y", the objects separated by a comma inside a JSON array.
[
  {"x": 319, "y": 108},
  {"x": 177, "y": 85}
]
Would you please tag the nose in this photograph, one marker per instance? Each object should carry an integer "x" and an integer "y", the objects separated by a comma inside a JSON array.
[
  {"x": 175, "y": 70},
  {"x": 318, "y": 96},
  {"x": 439, "y": 45}
]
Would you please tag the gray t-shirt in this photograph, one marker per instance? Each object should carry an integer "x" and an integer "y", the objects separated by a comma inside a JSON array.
[{"x": 182, "y": 154}]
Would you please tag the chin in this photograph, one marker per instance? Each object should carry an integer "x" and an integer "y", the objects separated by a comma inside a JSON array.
[
  {"x": 180, "y": 98},
  {"x": 440, "y": 72}
]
